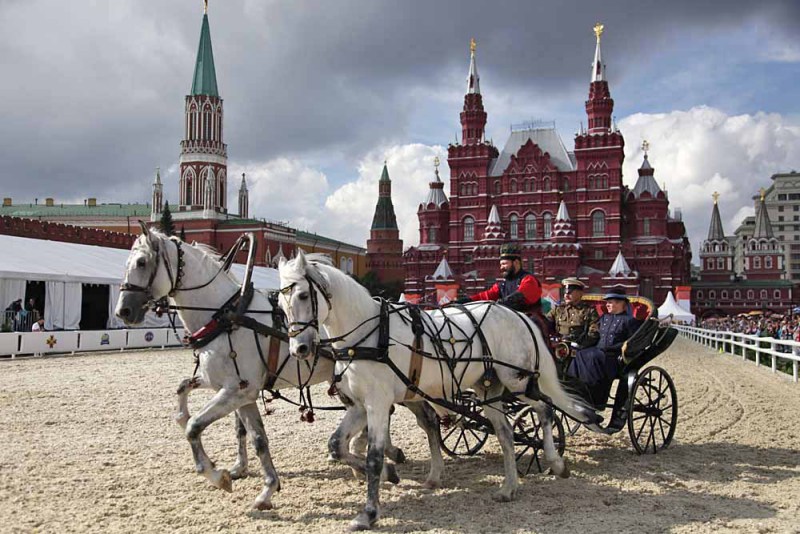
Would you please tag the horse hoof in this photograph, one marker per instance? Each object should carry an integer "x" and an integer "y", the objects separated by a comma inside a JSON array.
[
  {"x": 432, "y": 484},
  {"x": 503, "y": 497},
  {"x": 238, "y": 473},
  {"x": 397, "y": 456},
  {"x": 391, "y": 474},
  {"x": 564, "y": 473},
  {"x": 262, "y": 506},
  {"x": 362, "y": 522},
  {"x": 224, "y": 481}
]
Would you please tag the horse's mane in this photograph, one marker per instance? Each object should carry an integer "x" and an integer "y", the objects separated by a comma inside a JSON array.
[
  {"x": 207, "y": 250},
  {"x": 319, "y": 257}
]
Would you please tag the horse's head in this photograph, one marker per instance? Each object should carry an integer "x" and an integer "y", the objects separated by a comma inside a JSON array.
[
  {"x": 305, "y": 299},
  {"x": 146, "y": 277}
]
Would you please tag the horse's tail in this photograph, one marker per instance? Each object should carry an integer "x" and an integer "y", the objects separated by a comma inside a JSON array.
[
  {"x": 568, "y": 401},
  {"x": 574, "y": 406}
]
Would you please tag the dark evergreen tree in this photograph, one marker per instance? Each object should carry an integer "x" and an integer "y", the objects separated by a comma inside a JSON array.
[
  {"x": 167, "y": 225},
  {"x": 376, "y": 288},
  {"x": 183, "y": 233}
]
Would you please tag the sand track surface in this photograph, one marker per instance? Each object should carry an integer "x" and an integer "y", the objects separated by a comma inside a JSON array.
[{"x": 88, "y": 444}]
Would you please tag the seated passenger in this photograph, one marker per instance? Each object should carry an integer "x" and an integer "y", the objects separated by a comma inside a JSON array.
[
  {"x": 575, "y": 320},
  {"x": 597, "y": 366}
]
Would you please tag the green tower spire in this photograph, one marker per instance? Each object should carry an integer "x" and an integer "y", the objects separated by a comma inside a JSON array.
[{"x": 205, "y": 77}]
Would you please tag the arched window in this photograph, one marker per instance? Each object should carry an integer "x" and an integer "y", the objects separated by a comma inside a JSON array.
[
  {"x": 737, "y": 294},
  {"x": 776, "y": 294},
  {"x": 768, "y": 262},
  {"x": 512, "y": 187},
  {"x": 565, "y": 186},
  {"x": 514, "y": 230},
  {"x": 699, "y": 294},
  {"x": 546, "y": 184},
  {"x": 646, "y": 226},
  {"x": 497, "y": 188},
  {"x": 432, "y": 234},
  {"x": 530, "y": 226},
  {"x": 764, "y": 294},
  {"x": 751, "y": 294},
  {"x": 189, "y": 191},
  {"x": 464, "y": 190},
  {"x": 720, "y": 263},
  {"x": 712, "y": 294},
  {"x": 756, "y": 263},
  {"x": 349, "y": 265},
  {"x": 548, "y": 225},
  {"x": 598, "y": 224},
  {"x": 469, "y": 229},
  {"x": 343, "y": 264},
  {"x": 724, "y": 295},
  {"x": 710, "y": 263}
]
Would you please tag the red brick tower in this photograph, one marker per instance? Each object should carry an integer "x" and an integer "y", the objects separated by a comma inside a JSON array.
[
  {"x": 384, "y": 246},
  {"x": 599, "y": 154},
  {"x": 469, "y": 168},
  {"x": 717, "y": 252},
  {"x": 204, "y": 157},
  {"x": 763, "y": 253}
]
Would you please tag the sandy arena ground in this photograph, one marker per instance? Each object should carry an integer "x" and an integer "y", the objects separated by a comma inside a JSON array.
[{"x": 88, "y": 445}]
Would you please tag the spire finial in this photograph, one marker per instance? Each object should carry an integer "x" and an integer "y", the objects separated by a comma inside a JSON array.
[
  {"x": 645, "y": 147},
  {"x": 715, "y": 196},
  {"x": 436, "y": 162},
  {"x": 598, "y": 30},
  {"x": 205, "y": 7},
  {"x": 763, "y": 193},
  {"x": 472, "y": 46}
]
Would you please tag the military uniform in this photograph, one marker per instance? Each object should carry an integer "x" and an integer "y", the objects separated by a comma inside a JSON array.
[{"x": 577, "y": 323}]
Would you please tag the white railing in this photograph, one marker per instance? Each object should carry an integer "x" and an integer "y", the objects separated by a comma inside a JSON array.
[
  {"x": 72, "y": 341},
  {"x": 745, "y": 345}
]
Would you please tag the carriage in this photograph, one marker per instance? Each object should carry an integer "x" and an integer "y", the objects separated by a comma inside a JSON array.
[{"x": 645, "y": 401}]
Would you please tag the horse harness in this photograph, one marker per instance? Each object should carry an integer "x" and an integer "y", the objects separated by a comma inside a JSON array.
[{"x": 411, "y": 379}]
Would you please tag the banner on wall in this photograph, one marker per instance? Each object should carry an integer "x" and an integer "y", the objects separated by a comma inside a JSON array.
[
  {"x": 446, "y": 293},
  {"x": 683, "y": 295},
  {"x": 551, "y": 296}
]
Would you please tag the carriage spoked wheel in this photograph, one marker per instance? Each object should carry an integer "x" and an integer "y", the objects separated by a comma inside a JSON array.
[
  {"x": 463, "y": 435},
  {"x": 653, "y": 411},
  {"x": 529, "y": 440},
  {"x": 569, "y": 424}
]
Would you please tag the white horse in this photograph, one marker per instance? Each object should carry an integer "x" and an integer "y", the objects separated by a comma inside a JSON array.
[
  {"x": 315, "y": 293},
  {"x": 232, "y": 364}
]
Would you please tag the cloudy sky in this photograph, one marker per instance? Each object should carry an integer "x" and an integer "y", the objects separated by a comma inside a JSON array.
[{"x": 319, "y": 93}]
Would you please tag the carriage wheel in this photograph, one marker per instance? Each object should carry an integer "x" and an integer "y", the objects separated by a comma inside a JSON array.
[
  {"x": 653, "y": 411},
  {"x": 570, "y": 424},
  {"x": 463, "y": 435},
  {"x": 529, "y": 440}
]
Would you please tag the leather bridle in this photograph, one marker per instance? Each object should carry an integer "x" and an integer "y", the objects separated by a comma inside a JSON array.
[{"x": 314, "y": 287}]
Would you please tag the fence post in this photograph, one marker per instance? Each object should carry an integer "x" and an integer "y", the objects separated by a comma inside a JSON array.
[
  {"x": 794, "y": 370},
  {"x": 774, "y": 358}
]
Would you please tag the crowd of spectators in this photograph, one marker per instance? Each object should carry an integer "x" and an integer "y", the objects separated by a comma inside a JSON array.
[{"x": 774, "y": 326}]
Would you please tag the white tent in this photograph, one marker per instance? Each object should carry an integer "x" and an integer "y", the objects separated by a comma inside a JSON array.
[
  {"x": 671, "y": 307},
  {"x": 64, "y": 267}
]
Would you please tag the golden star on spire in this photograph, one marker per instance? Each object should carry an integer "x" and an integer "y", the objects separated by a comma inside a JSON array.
[
  {"x": 763, "y": 193},
  {"x": 598, "y": 30},
  {"x": 715, "y": 196},
  {"x": 472, "y": 46}
]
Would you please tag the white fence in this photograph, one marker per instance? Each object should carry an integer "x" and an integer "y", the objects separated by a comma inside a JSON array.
[
  {"x": 72, "y": 341},
  {"x": 764, "y": 349}
]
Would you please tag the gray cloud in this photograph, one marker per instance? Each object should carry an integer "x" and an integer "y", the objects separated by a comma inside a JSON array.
[{"x": 92, "y": 95}]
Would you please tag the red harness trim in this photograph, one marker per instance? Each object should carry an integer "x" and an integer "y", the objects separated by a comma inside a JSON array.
[{"x": 203, "y": 331}]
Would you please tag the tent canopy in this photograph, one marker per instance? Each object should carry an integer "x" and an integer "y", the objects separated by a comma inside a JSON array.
[
  {"x": 54, "y": 261},
  {"x": 670, "y": 307}
]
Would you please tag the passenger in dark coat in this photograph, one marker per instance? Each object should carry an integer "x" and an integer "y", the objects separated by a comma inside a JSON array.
[{"x": 598, "y": 366}]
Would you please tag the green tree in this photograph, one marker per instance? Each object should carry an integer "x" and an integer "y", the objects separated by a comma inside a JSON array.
[
  {"x": 167, "y": 225},
  {"x": 376, "y": 288}
]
